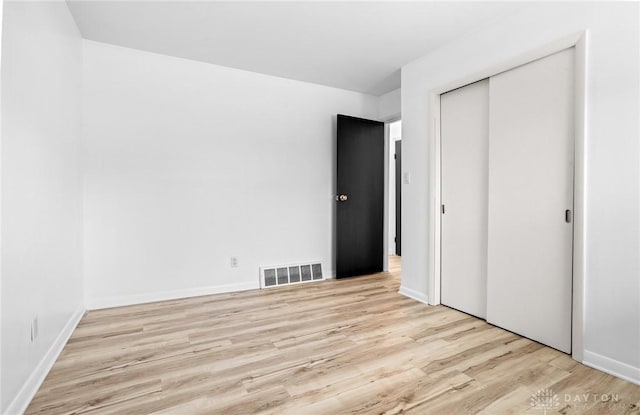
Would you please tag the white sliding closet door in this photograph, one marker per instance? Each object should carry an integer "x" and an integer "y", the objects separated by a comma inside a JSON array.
[
  {"x": 465, "y": 152},
  {"x": 531, "y": 200}
]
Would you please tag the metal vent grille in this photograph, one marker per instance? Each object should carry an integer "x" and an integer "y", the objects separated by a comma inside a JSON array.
[{"x": 279, "y": 275}]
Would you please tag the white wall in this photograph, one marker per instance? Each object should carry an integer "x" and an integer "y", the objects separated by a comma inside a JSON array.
[
  {"x": 41, "y": 185},
  {"x": 612, "y": 301},
  {"x": 187, "y": 164},
  {"x": 389, "y": 105}
]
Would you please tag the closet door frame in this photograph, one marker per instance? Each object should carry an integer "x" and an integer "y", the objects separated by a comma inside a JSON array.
[{"x": 577, "y": 41}]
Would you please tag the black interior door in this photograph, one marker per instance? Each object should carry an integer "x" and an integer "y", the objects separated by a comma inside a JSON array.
[
  {"x": 360, "y": 199},
  {"x": 398, "y": 196}
]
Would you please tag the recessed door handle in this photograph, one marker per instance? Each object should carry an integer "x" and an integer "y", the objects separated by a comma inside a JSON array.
[{"x": 568, "y": 216}]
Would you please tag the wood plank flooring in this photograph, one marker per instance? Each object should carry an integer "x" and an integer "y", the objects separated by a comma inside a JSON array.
[{"x": 347, "y": 346}]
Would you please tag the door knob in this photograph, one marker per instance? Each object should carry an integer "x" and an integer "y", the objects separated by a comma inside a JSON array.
[{"x": 342, "y": 198}]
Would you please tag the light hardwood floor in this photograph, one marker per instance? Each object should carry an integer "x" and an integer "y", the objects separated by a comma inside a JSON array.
[{"x": 334, "y": 347}]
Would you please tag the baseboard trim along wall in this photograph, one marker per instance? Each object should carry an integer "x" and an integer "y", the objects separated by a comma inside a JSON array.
[
  {"x": 612, "y": 367},
  {"x": 33, "y": 383},
  {"x": 109, "y": 302},
  {"x": 413, "y": 294}
]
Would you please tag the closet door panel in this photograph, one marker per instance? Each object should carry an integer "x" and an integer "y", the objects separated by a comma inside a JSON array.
[
  {"x": 464, "y": 170},
  {"x": 530, "y": 231}
]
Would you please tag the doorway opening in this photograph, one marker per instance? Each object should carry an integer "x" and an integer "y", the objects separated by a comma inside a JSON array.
[{"x": 394, "y": 227}]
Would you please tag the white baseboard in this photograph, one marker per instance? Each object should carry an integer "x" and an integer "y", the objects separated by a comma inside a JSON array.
[
  {"x": 612, "y": 367},
  {"x": 31, "y": 386},
  {"x": 109, "y": 302},
  {"x": 416, "y": 295}
]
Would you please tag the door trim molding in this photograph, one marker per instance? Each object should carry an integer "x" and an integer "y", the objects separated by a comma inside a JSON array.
[
  {"x": 579, "y": 41},
  {"x": 387, "y": 195}
]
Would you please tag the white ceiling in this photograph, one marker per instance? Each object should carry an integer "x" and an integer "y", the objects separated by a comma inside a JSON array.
[{"x": 359, "y": 46}]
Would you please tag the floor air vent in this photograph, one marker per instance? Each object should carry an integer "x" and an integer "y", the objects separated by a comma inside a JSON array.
[{"x": 276, "y": 276}]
